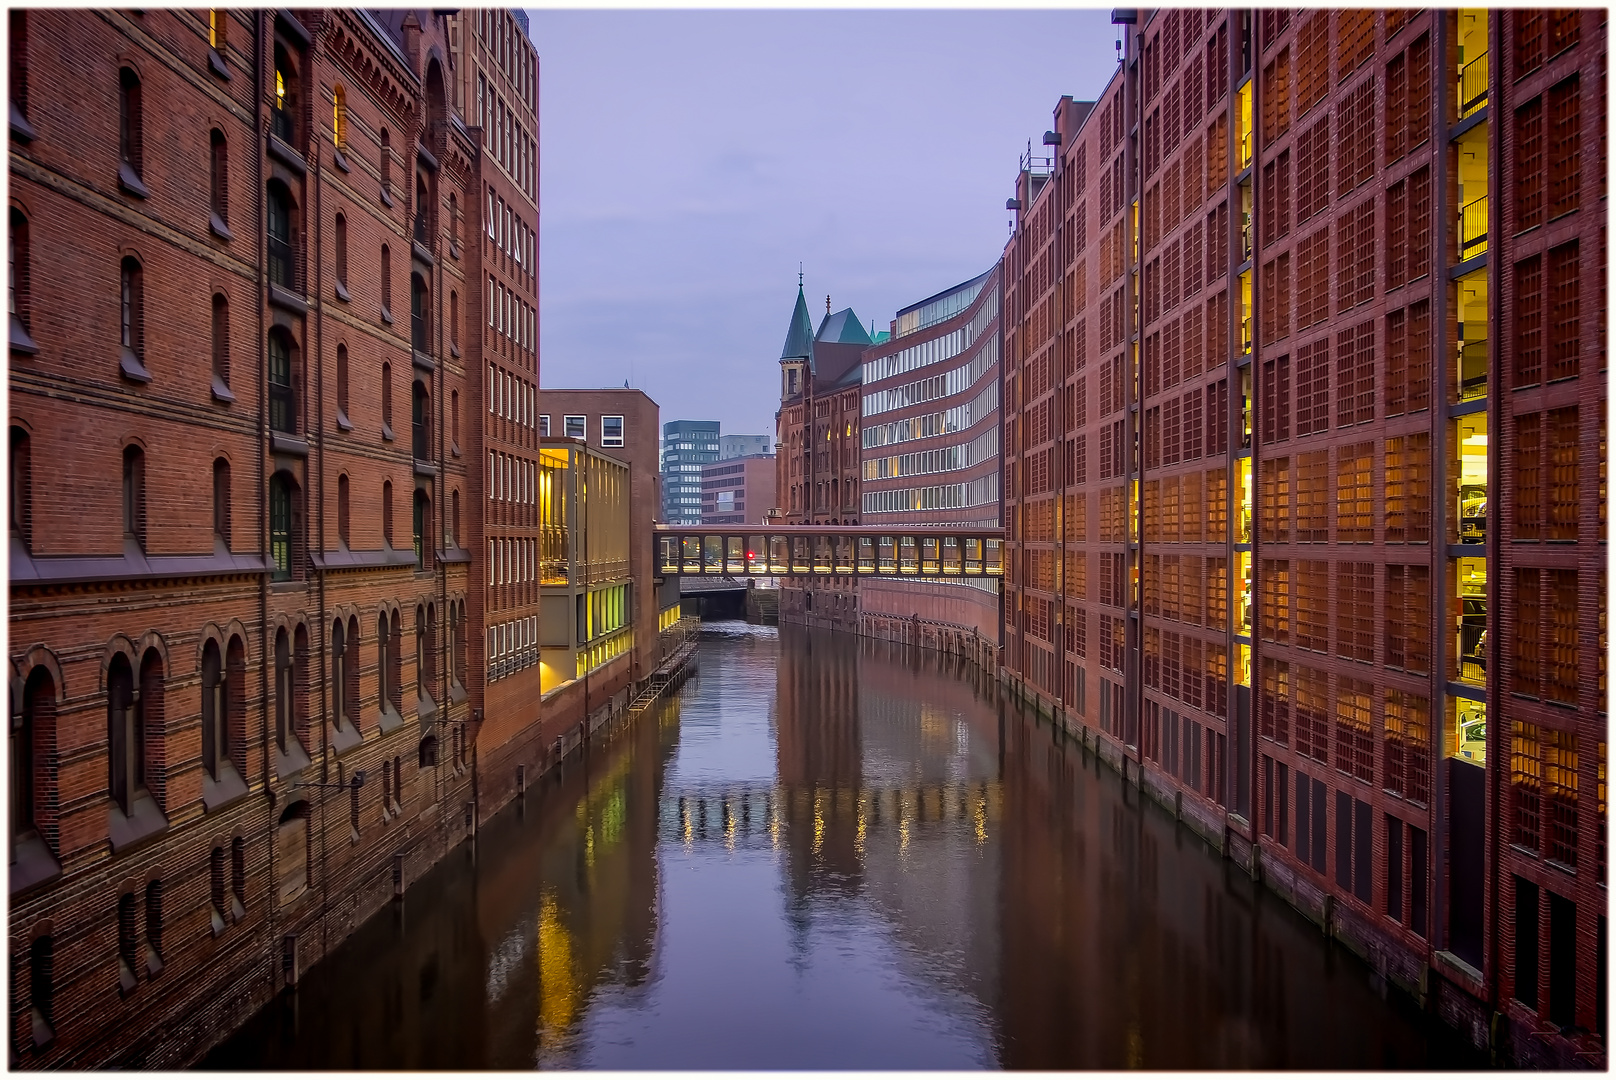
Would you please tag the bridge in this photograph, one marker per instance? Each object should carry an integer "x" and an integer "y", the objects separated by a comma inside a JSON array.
[
  {"x": 808, "y": 550},
  {"x": 763, "y": 811}
]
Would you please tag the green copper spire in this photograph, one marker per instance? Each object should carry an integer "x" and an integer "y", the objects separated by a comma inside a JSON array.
[{"x": 800, "y": 337}]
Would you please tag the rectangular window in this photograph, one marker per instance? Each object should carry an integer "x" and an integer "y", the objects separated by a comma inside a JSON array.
[
  {"x": 611, "y": 431},
  {"x": 1565, "y": 139},
  {"x": 576, "y": 427},
  {"x": 1529, "y": 165},
  {"x": 1394, "y": 869},
  {"x": 1565, "y": 332},
  {"x": 1528, "y": 312},
  {"x": 1527, "y": 914}
]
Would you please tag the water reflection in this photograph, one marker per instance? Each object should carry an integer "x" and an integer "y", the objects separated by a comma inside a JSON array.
[{"x": 832, "y": 853}]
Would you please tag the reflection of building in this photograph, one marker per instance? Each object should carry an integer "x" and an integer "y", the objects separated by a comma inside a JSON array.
[
  {"x": 737, "y": 490},
  {"x": 930, "y": 454},
  {"x": 1265, "y": 432},
  {"x": 687, "y": 445},
  {"x": 817, "y": 432}
]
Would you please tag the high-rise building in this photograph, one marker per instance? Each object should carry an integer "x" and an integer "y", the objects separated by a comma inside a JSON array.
[
  {"x": 1304, "y": 359},
  {"x": 734, "y": 446},
  {"x": 930, "y": 444},
  {"x": 687, "y": 445},
  {"x": 817, "y": 429}
]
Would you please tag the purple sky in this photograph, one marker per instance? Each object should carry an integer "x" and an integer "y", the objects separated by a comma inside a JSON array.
[{"x": 690, "y": 160}]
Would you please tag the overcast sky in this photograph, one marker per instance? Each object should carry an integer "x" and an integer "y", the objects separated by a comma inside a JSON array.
[{"x": 690, "y": 160}]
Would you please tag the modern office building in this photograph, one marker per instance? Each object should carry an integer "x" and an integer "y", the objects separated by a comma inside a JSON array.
[
  {"x": 738, "y": 490},
  {"x": 1305, "y": 475},
  {"x": 817, "y": 467},
  {"x": 734, "y": 446},
  {"x": 687, "y": 445},
  {"x": 929, "y": 449}
]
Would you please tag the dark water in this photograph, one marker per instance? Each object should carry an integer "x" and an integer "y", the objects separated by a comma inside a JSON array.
[{"x": 834, "y": 854}]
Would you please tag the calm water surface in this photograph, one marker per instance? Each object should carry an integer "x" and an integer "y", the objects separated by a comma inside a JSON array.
[{"x": 832, "y": 854}]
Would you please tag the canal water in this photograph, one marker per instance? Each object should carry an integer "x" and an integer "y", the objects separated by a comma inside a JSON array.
[{"x": 833, "y": 853}]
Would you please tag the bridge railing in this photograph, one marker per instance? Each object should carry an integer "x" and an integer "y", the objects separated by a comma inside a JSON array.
[{"x": 933, "y": 553}]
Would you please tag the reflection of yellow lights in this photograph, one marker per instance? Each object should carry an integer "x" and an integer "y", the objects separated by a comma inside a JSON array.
[
  {"x": 819, "y": 822},
  {"x": 589, "y": 848},
  {"x": 981, "y": 817},
  {"x": 858, "y": 839},
  {"x": 903, "y": 837},
  {"x": 729, "y": 834},
  {"x": 558, "y": 992}
]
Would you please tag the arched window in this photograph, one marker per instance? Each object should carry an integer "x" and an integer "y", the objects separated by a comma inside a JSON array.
[
  {"x": 421, "y": 528},
  {"x": 33, "y": 739},
  {"x": 282, "y": 263},
  {"x": 454, "y": 518},
  {"x": 458, "y": 655},
  {"x": 19, "y": 284},
  {"x": 454, "y": 221},
  {"x": 283, "y": 690},
  {"x": 132, "y": 303},
  {"x": 281, "y": 497},
  {"x": 218, "y": 24},
  {"x": 422, "y": 680},
  {"x": 454, "y": 416},
  {"x": 387, "y": 283},
  {"x": 350, "y": 673},
  {"x": 339, "y": 118},
  {"x": 451, "y": 625},
  {"x": 387, "y": 401},
  {"x": 219, "y": 179},
  {"x": 342, "y": 511},
  {"x": 387, "y": 166},
  {"x": 128, "y": 942},
  {"x": 387, "y": 512},
  {"x": 383, "y": 664},
  {"x": 342, "y": 710},
  {"x": 282, "y": 115},
  {"x": 420, "y": 326},
  {"x": 420, "y": 422},
  {"x": 423, "y": 220},
  {"x": 342, "y": 387},
  {"x": 130, "y": 138},
  {"x": 454, "y": 318},
  {"x": 215, "y": 712},
  {"x": 342, "y": 254},
  {"x": 134, "y": 495},
  {"x": 126, "y": 743},
  {"x": 283, "y": 408},
  {"x": 22, "y": 501},
  {"x": 427, "y": 752},
  {"x": 395, "y": 659},
  {"x": 221, "y": 502},
  {"x": 221, "y": 343}
]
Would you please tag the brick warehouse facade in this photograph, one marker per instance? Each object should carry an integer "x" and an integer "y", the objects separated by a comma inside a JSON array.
[
  {"x": 930, "y": 453},
  {"x": 1251, "y": 561},
  {"x": 817, "y": 451},
  {"x": 201, "y": 670}
]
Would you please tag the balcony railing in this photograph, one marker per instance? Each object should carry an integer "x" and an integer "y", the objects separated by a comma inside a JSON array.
[
  {"x": 1473, "y": 229},
  {"x": 1472, "y": 86},
  {"x": 1473, "y": 370}
]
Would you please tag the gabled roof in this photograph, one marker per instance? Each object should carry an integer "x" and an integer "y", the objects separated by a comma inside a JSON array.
[
  {"x": 837, "y": 364},
  {"x": 800, "y": 335},
  {"x": 843, "y": 327}
]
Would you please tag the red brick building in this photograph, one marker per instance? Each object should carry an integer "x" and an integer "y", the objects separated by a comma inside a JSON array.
[
  {"x": 242, "y": 579},
  {"x": 930, "y": 450},
  {"x": 1267, "y": 356},
  {"x": 817, "y": 455},
  {"x": 738, "y": 490}
]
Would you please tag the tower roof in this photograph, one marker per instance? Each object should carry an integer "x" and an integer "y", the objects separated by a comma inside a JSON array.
[
  {"x": 800, "y": 335},
  {"x": 843, "y": 327}
]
